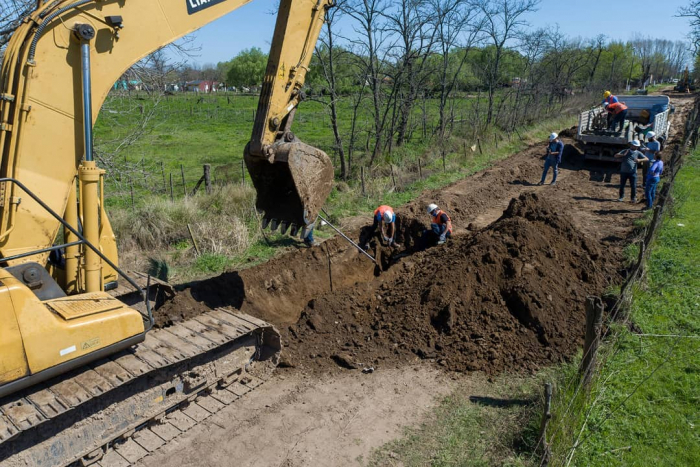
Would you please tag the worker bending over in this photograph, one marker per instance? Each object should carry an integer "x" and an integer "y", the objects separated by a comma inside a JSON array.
[
  {"x": 618, "y": 110},
  {"x": 385, "y": 219},
  {"x": 609, "y": 98},
  {"x": 440, "y": 225}
]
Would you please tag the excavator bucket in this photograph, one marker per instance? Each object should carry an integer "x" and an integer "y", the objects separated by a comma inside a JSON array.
[{"x": 293, "y": 188}]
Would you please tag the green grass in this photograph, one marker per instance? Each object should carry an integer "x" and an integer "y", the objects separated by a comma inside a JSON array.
[
  {"x": 186, "y": 131},
  {"x": 643, "y": 409},
  {"x": 481, "y": 423}
]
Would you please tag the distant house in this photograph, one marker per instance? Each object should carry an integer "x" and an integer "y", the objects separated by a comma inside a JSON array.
[{"x": 199, "y": 85}]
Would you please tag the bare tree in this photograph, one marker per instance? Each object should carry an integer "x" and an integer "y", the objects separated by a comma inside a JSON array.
[
  {"x": 503, "y": 23},
  {"x": 692, "y": 12},
  {"x": 327, "y": 54}
]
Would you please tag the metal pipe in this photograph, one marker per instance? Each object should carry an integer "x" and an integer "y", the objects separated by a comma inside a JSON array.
[
  {"x": 72, "y": 276},
  {"x": 349, "y": 241}
]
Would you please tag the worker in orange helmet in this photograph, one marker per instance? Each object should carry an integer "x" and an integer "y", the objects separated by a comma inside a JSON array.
[
  {"x": 441, "y": 224},
  {"x": 385, "y": 218}
]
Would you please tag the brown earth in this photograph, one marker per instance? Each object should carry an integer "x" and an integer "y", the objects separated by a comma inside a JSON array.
[{"x": 505, "y": 294}]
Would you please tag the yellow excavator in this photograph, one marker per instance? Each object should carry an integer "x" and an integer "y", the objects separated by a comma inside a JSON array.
[{"x": 65, "y": 305}]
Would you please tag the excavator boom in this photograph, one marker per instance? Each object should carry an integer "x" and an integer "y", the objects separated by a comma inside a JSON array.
[{"x": 66, "y": 322}]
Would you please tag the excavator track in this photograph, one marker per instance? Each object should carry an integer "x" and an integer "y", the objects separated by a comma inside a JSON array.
[{"x": 117, "y": 410}]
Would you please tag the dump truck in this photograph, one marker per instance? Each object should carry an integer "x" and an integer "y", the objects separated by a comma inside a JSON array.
[{"x": 644, "y": 114}]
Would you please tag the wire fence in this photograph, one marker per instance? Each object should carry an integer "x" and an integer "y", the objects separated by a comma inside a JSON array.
[{"x": 557, "y": 444}]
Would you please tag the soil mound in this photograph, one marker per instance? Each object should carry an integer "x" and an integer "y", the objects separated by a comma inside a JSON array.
[{"x": 509, "y": 297}]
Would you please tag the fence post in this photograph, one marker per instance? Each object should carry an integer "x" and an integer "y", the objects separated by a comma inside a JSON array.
[
  {"x": 207, "y": 178},
  {"x": 184, "y": 187},
  {"x": 478, "y": 143},
  {"x": 594, "y": 321},
  {"x": 162, "y": 170},
  {"x": 495, "y": 140},
  {"x": 362, "y": 177},
  {"x": 546, "y": 416},
  {"x": 131, "y": 187},
  {"x": 172, "y": 197},
  {"x": 420, "y": 169},
  {"x": 466, "y": 156},
  {"x": 444, "y": 164},
  {"x": 393, "y": 179}
]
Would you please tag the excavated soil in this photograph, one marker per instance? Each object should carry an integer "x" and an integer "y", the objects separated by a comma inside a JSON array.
[
  {"x": 505, "y": 294},
  {"x": 509, "y": 297}
]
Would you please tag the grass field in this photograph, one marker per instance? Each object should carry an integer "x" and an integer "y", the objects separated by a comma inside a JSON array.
[
  {"x": 644, "y": 407},
  {"x": 189, "y": 130}
]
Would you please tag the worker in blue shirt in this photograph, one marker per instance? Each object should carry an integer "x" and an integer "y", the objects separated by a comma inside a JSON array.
[
  {"x": 609, "y": 98},
  {"x": 555, "y": 149},
  {"x": 651, "y": 148}
]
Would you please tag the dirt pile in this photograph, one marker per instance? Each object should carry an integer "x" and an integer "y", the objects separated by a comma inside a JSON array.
[{"x": 509, "y": 297}]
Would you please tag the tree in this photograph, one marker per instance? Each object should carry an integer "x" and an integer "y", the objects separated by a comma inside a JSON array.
[
  {"x": 692, "y": 12},
  {"x": 247, "y": 68},
  {"x": 503, "y": 21}
]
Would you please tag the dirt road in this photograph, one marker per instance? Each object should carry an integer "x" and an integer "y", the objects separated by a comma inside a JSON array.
[{"x": 511, "y": 274}]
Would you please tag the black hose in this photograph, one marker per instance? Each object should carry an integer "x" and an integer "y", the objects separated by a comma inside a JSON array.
[{"x": 45, "y": 23}]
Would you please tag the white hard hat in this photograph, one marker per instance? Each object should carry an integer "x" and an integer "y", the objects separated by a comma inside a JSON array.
[
  {"x": 635, "y": 143},
  {"x": 651, "y": 134},
  {"x": 432, "y": 207},
  {"x": 388, "y": 216},
  {"x": 553, "y": 136}
]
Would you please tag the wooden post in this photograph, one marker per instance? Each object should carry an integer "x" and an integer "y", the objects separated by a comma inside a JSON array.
[
  {"x": 194, "y": 242},
  {"x": 420, "y": 169},
  {"x": 478, "y": 143},
  {"x": 242, "y": 173},
  {"x": 393, "y": 179},
  {"x": 466, "y": 156},
  {"x": 172, "y": 197},
  {"x": 594, "y": 321},
  {"x": 495, "y": 140},
  {"x": 184, "y": 187},
  {"x": 131, "y": 186},
  {"x": 207, "y": 178},
  {"x": 444, "y": 164},
  {"x": 546, "y": 416},
  {"x": 362, "y": 177}
]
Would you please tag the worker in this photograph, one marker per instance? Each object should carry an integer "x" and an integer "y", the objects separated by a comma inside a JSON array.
[
  {"x": 651, "y": 148},
  {"x": 619, "y": 112},
  {"x": 609, "y": 98},
  {"x": 385, "y": 219},
  {"x": 440, "y": 225},
  {"x": 555, "y": 149},
  {"x": 628, "y": 169},
  {"x": 309, "y": 239},
  {"x": 653, "y": 178}
]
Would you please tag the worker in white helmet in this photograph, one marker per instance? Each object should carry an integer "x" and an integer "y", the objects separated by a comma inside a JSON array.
[
  {"x": 440, "y": 223},
  {"x": 385, "y": 219},
  {"x": 555, "y": 149}
]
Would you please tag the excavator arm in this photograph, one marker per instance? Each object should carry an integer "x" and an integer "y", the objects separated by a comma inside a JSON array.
[{"x": 44, "y": 116}]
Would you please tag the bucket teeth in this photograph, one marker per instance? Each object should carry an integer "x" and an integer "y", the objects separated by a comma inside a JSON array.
[
  {"x": 265, "y": 222},
  {"x": 284, "y": 225},
  {"x": 274, "y": 224},
  {"x": 293, "y": 230}
]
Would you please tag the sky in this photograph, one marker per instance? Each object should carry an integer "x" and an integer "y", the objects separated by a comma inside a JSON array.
[{"x": 252, "y": 25}]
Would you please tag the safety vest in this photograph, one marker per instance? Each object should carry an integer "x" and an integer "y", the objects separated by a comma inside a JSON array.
[
  {"x": 381, "y": 210},
  {"x": 438, "y": 221},
  {"x": 617, "y": 107}
]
